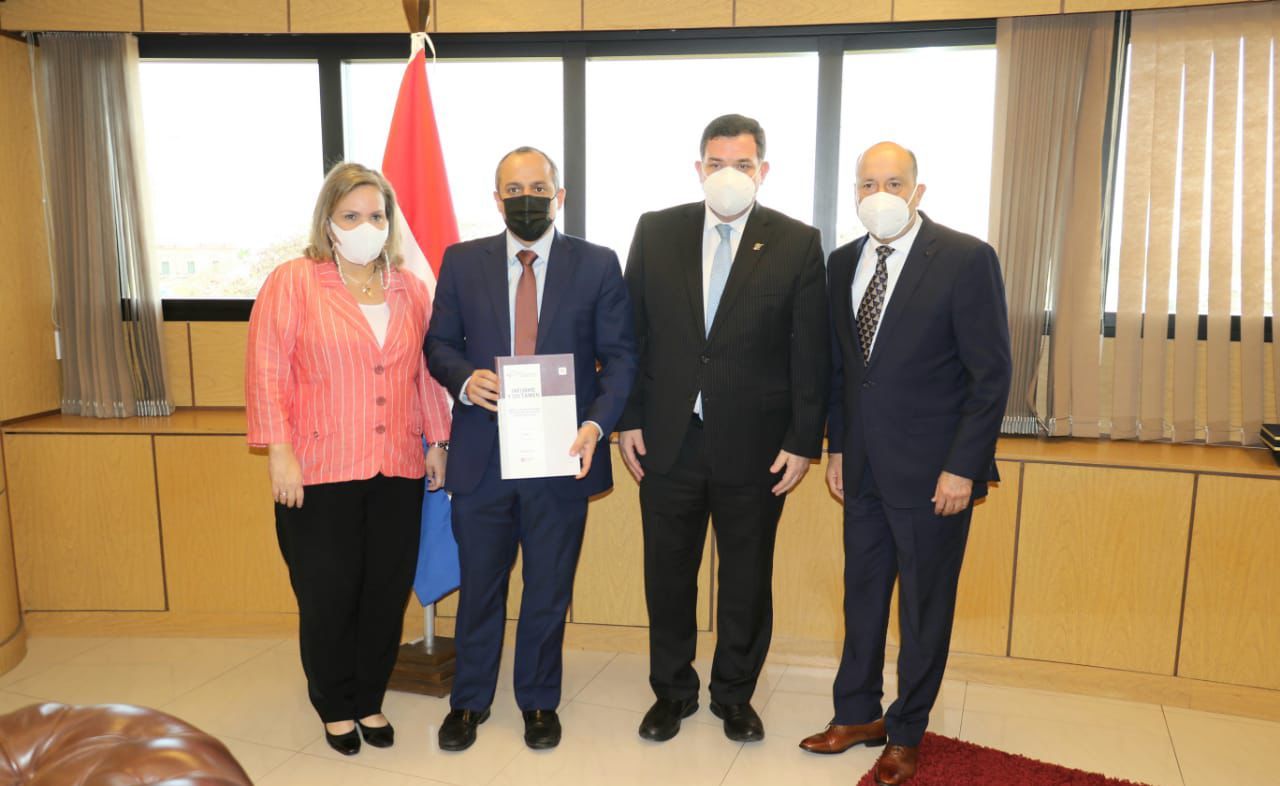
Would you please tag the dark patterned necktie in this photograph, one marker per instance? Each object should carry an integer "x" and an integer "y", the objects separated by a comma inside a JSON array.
[
  {"x": 873, "y": 302},
  {"x": 526, "y": 305}
]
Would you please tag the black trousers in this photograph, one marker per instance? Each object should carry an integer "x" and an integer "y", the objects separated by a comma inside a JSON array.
[
  {"x": 352, "y": 549},
  {"x": 674, "y": 509},
  {"x": 924, "y": 552}
]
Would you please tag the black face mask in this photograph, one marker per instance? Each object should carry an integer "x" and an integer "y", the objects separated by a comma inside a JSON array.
[{"x": 527, "y": 216}]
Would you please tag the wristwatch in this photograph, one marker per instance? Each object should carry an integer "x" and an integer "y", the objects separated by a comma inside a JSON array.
[{"x": 442, "y": 444}]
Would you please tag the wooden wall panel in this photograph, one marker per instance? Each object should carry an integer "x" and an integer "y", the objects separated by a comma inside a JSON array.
[
  {"x": 85, "y": 527},
  {"x": 30, "y": 381},
  {"x": 220, "y": 547},
  {"x": 1231, "y": 625},
  {"x": 760, "y": 13},
  {"x": 10, "y": 606},
  {"x": 177, "y": 362},
  {"x": 216, "y": 16},
  {"x": 986, "y": 580},
  {"x": 217, "y": 363},
  {"x": 1076, "y": 6},
  {"x": 1101, "y": 559},
  {"x": 923, "y": 10},
  {"x": 480, "y": 16},
  {"x": 627, "y": 15},
  {"x": 808, "y": 563},
  {"x": 111, "y": 15},
  {"x": 609, "y": 589},
  {"x": 347, "y": 16}
]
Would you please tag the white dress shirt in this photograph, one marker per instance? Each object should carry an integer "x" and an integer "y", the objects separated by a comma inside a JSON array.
[
  {"x": 711, "y": 242},
  {"x": 867, "y": 268},
  {"x": 378, "y": 317}
]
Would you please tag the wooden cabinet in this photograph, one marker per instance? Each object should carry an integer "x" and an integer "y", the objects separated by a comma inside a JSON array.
[
  {"x": 1101, "y": 558},
  {"x": 220, "y": 547},
  {"x": 85, "y": 526},
  {"x": 1231, "y": 624}
]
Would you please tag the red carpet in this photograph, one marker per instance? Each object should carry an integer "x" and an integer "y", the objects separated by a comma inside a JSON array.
[{"x": 948, "y": 762}]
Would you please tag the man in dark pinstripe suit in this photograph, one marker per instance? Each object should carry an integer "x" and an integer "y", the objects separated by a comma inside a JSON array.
[{"x": 725, "y": 417}]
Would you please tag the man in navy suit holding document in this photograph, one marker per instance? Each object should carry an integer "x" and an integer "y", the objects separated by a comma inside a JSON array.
[{"x": 528, "y": 291}]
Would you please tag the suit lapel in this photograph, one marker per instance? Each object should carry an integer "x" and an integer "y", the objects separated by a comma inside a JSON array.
[
  {"x": 913, "y": 272},
  {"x": 494, "y": 270},
  {"x": 842, "y": 288},
  {"x": 559, "y": 277},
  {"x": 690, "y": 243},
  {"x": 398, "y": 301},
  {"x": 343, "y": 301},
  {"x": 745, "y": 262}
]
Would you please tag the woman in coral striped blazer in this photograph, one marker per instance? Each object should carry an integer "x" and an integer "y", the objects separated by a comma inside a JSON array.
[{"x": 338, "y": 392}]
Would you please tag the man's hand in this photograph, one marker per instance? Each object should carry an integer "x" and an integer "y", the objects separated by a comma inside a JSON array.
[
  {"x": 792, "y": 468},
  {"x": 584, "y": 447},
  {"x": 835, "y": 474},
  {"x": 285, "y": 474},
  {"x": 482, "y": 389},
  {"x": 952, "y": 494},
  {"x": 437, "y": 459},
  {"x": 631, "y": 444}
]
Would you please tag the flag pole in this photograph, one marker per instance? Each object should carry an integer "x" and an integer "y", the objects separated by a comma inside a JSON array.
[
  {"x": 427, "y": 666},
  {"x": 417, "y": 13}
]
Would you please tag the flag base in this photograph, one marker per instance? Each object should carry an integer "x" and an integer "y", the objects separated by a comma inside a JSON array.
[{"x": 422, "y": 672}]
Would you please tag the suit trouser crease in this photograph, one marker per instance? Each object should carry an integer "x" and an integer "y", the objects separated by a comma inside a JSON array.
[
  {"x": 675, "y": 508},
  {"x": 924, "y": 552},
  {"x": 351, "y": 550},
  {"x": 490, "y": 524}
]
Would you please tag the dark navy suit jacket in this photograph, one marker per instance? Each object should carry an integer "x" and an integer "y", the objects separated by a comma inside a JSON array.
[
  {"x": 932, "y": 395},
  {"x": 585, "y": 312}
]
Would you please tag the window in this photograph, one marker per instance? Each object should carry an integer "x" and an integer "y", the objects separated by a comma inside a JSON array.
[
  {"x": 474, "y": 134},
  {"x": 940, "y": 103},
  {"x": 635, "y": 164},
  {"x": 234, "y": 163},
  {"x": 239, "y": 131}
]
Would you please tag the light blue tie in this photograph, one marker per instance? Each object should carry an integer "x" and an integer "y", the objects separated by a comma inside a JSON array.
[{"x": 719, "y": 273}]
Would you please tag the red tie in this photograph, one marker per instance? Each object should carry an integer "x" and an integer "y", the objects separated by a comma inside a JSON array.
[{"x": 526, "y": 305}]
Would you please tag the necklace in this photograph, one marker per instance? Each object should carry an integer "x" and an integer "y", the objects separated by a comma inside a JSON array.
[{"x": 366, "y": 286}]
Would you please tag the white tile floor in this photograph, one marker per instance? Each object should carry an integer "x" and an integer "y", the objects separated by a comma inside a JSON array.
[{"x": 250, "y": 693}]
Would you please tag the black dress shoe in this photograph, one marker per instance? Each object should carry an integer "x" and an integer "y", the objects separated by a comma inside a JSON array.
[
  {"x": 741, "y": 723},
  {"x": 347, "y": 744},
  {"x": 662, "y": 721},
  {"x": 541, "y": 729},
  {"x": 458, "y": 731},
  {"x": 378, "y": 736}
]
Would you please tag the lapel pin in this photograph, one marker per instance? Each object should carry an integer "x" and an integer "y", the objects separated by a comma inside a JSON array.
[{"x": 757, "y": 246}]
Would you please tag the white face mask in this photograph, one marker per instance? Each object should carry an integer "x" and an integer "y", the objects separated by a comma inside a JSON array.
[
  {"x": 729, "y": 191},
  {"x": 885, "y": 215},
  {"x": 361, "y": 245}
]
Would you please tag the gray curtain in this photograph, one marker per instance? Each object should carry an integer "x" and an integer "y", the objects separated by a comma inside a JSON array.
[
  {"x": 107, "y": 305},
  {"x": 1052, "y": 88}
]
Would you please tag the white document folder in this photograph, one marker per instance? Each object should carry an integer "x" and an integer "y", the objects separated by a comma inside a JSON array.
[{"x": 537, "y": 416}]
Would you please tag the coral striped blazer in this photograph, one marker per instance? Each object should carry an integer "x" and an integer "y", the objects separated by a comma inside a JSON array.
[{"x": 316, "y": 377}]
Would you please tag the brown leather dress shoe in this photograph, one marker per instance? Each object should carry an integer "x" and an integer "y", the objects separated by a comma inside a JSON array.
[
  {"x": 896, "y": 765},
  {"x": 838, "y": 739}
]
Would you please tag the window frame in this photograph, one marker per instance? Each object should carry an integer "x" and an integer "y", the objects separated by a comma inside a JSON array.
[{"x": 573, "y": 49}]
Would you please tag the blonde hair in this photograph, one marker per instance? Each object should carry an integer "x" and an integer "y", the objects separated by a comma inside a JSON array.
[{"x": 342, "y": 179}]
